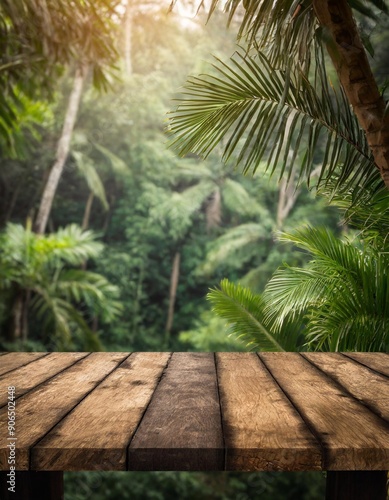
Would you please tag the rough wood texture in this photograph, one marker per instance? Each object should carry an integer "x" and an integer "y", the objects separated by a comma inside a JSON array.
[
  {"x": 353, "y": 437},
  {"x": 374, "y": 360},
  {"x": 262, "y": 430},
  {"x": 181, "y": 429},
  {"x": 198, "y": 411},
  {"x": 116, "y": 407},
  {"x": 39, "y": 410},
  {"x": 12, "y": 360},
  {"x": 362, "y": 383},
  {"x": 30, "y": 376}
]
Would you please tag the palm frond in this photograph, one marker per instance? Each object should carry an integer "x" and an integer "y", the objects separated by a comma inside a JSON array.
[
  {"x": 61, "y": 320},
  {"x": 343, "y": 293},
  {"x": 93, "y": 289},
  {"x": 92, "y": 178},
  {"x": 236, "y": 240},
  {"x": 118, "y": 165},
  {"x": 179, "y": 208},
  {"x": 366, "y": 209},
  {"x": 238, "y": 199},
  {"x": 258, "y": 111},
  {"x": 289, "y": 24},
  {"x": 244, "y": 312},
  {"x": 70, "y": 244}
]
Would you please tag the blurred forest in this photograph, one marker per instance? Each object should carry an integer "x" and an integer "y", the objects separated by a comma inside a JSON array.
[
  {"x": 121, "y": 253},
  {"x": 158, "y": 231}
]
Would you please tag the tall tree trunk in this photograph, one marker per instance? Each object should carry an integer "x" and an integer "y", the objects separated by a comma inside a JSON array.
[
  {"x": 128, "y": 38},
  {"x": 352, "y": 66},
  {"x": 174, "y": 277},
  {"x": 213, "y": 212},
  {"x": 287, "y": 198},
  {"x": 62, "y": 151}
]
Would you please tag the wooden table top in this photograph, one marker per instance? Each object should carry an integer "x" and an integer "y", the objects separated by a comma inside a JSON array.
[{"x": 196, "y": 411}]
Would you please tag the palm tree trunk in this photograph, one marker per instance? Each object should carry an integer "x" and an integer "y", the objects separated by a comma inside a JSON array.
[
  {"x": 287, "y": 197},
  {"x": 62, "y": 151},
  {"x": 174, "y": 277},
  {"x": 352, "y": 66}
]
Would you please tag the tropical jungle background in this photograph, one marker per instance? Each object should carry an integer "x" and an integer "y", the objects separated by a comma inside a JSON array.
[{"x": 163, "y": 188}]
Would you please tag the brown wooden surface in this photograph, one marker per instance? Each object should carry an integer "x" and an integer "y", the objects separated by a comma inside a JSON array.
[
  {"x": 360, "y": 381},
  {"x": 74, "y": 442},
  {"x": 353, "y": 437},
  {"x": 39, "y": 410},
  {"x": 26, "y": 379},
  {"x": 14, "y": 360},
  {"x": 262, "y": 429},
  {"x": 182, "y": 425},
  {"x": 197, "y": 411},
  {"x": 375, "y": 361}
]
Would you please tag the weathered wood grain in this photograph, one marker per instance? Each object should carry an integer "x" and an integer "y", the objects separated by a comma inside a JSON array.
[
  {"x": 29, "y": 376},
  {"x": 376, "y": 360},
  {"x": 181, "y": 429},
  {"x": 39, "y": 410},
  {"x": 95, "y": 435},
  {"x": 12, "y": 360},
  {"x": 262, "y": 430},
  {"x": 364, "y": 384},
  {"x": 353, "y": 437}
]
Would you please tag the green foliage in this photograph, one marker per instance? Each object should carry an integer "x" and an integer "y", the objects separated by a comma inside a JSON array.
[
  {"x": 38, "y": 39},
  {"x": 209, "y": 334},
  {"x": 261, "y": 111},
  {"x": 245, "y": 314},
  {"x": 343, "y": 293},
  {"x": 340, "y": 298},
  {"x": 194, "y": 485},
  {"x": 87, "y": 169},
  {"x": 39, "y": 271}
]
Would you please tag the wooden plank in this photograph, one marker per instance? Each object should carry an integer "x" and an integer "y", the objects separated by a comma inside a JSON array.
[
  {"x": 377, "y": 361},
  {"x": 262, "y": 430},
  {"x": 356, "y": 485},
  {"x": 29, "y": 376},
  {"x": 95, "y": 435},
  {"x": 33, "y": 485},
  {"x": 358, "y": 380},
  {"x": 40, "y": 409},
  {"x": 13, "y": 360},
  {"x": 181, "y": 429},
  {"x": 353, "y": 437}
]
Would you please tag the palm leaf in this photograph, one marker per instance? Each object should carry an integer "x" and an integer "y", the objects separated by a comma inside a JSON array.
[
  {"x": 244, "y": 312},
  {"x": 118, "y": 165},
  {"x": 260, "y": 113},
  {"x": 236, "y": 240},
  {"x": 93, "y": 289},
  {"x": 343, "y": 293},
  {"x": 92, "y": 178}
]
